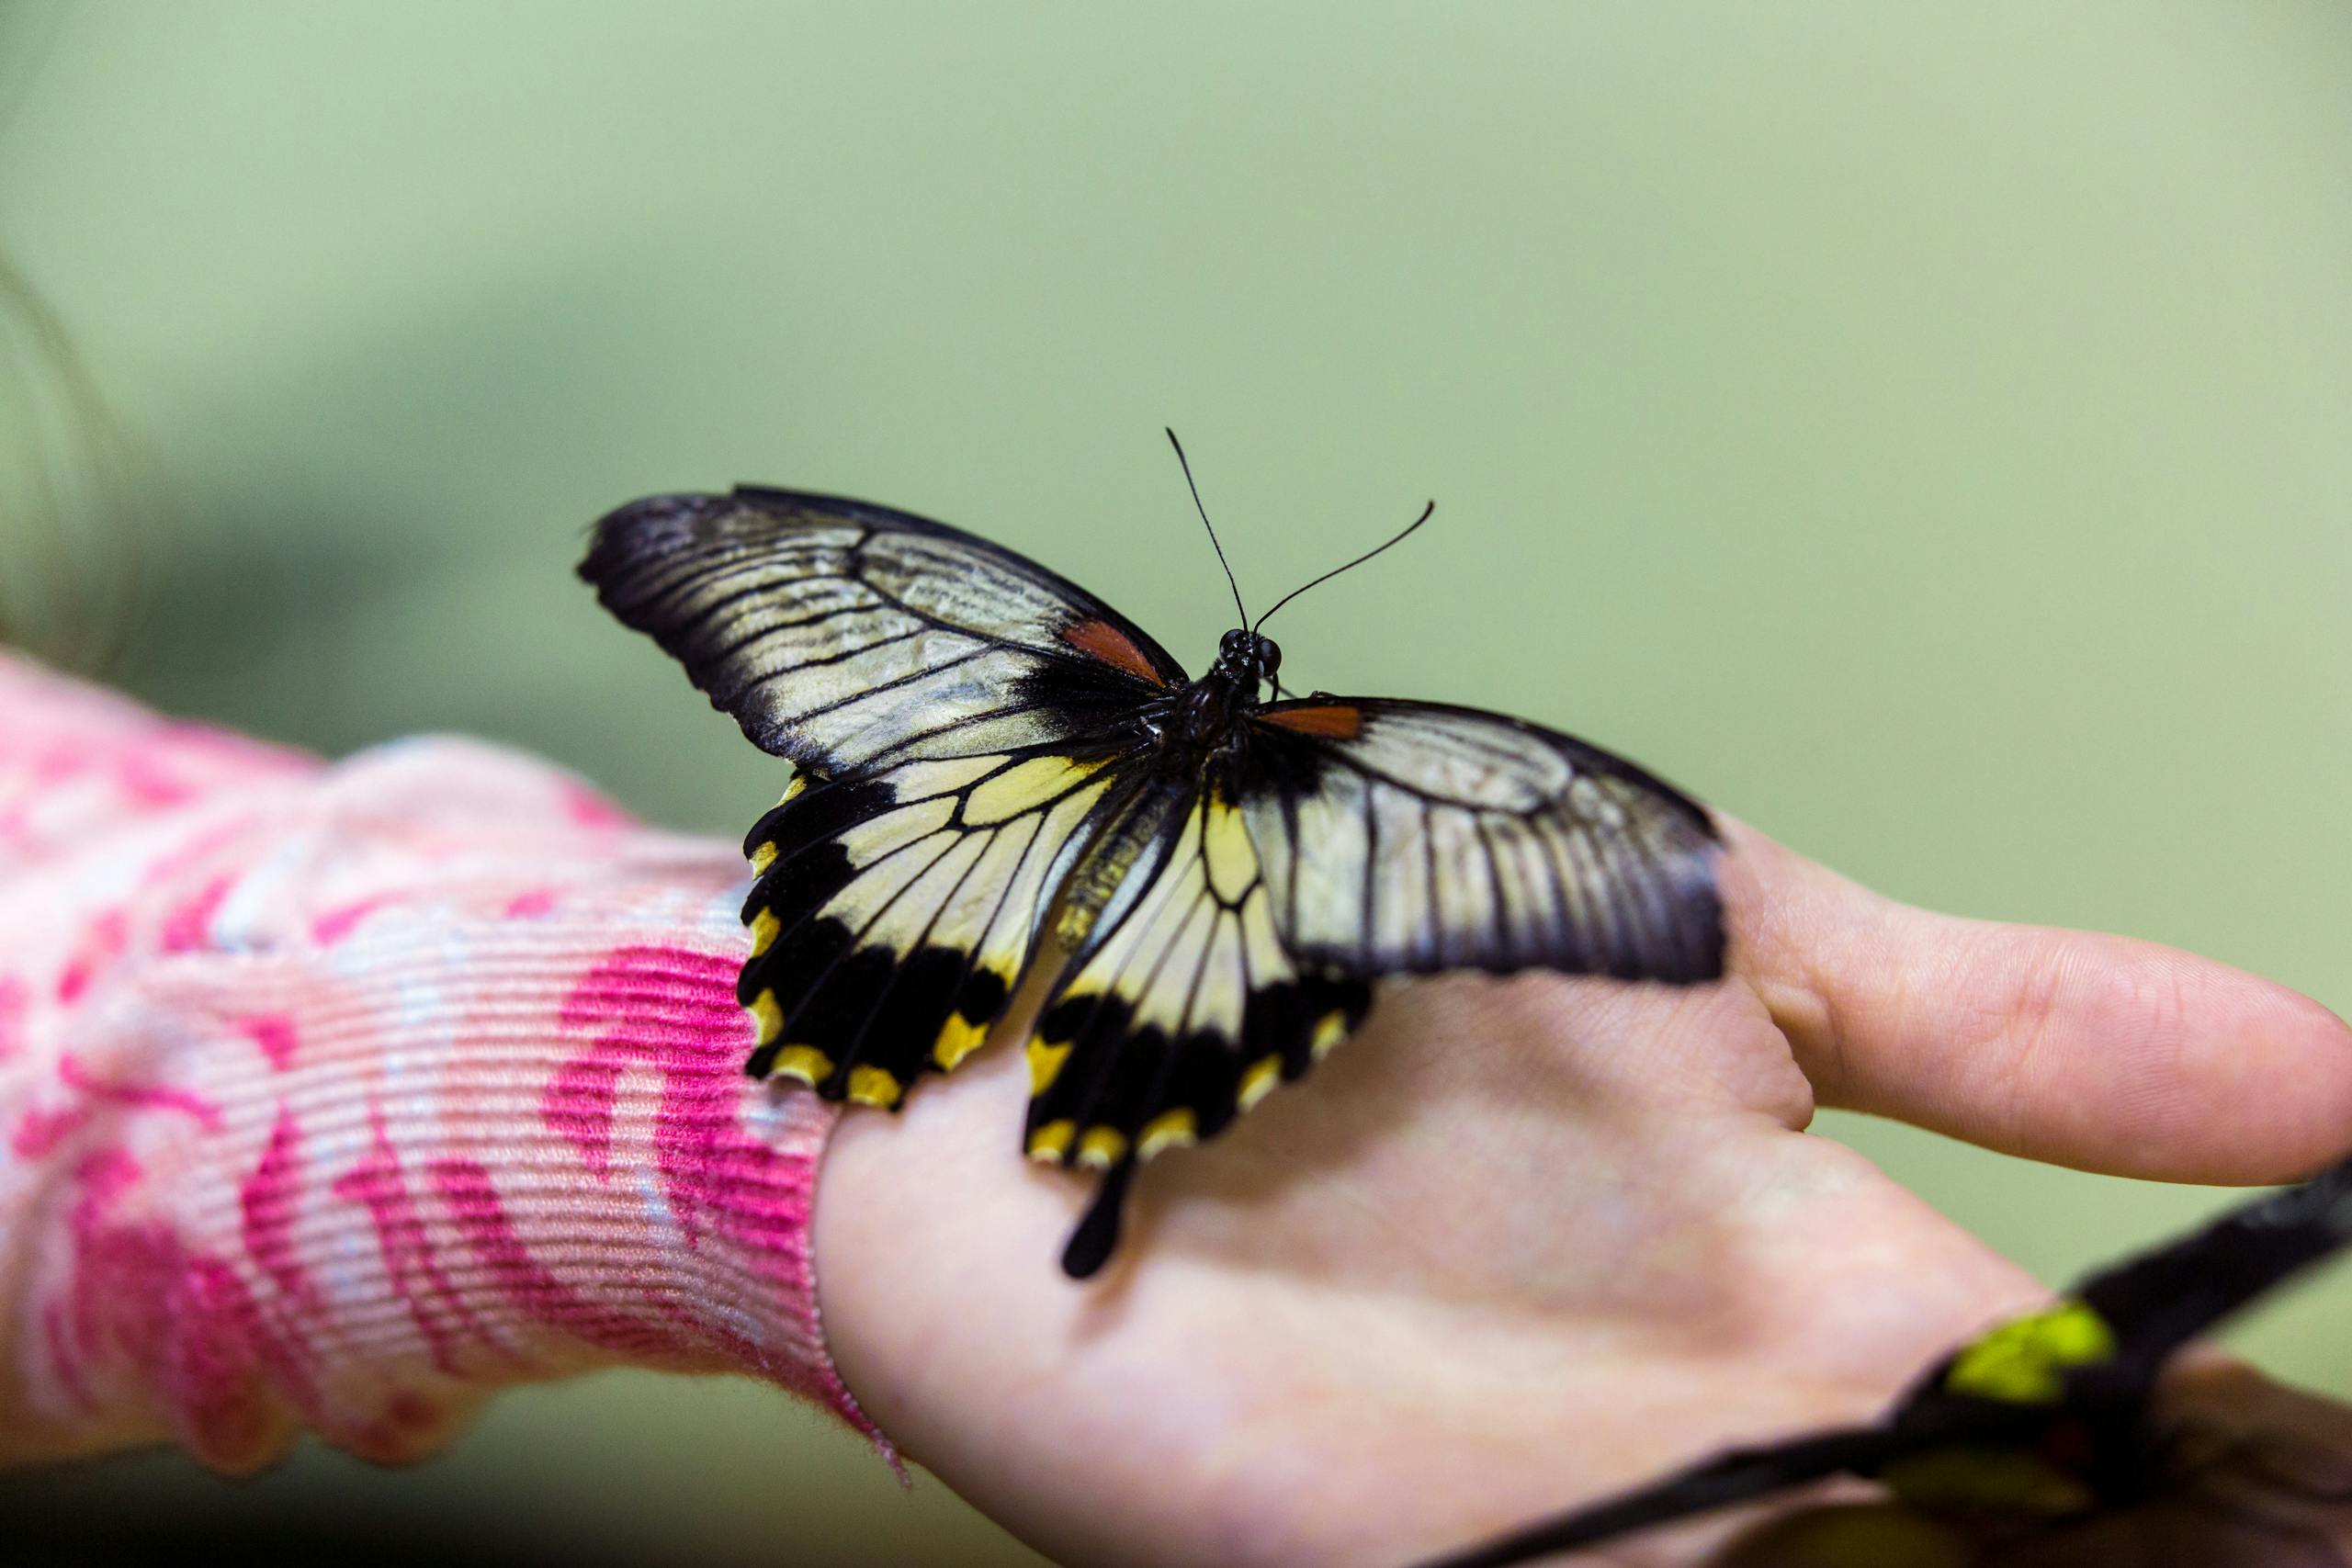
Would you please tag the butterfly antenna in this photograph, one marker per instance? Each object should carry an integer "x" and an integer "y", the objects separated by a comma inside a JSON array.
[
  {"x": 1203, "y": 511},
  {"x": 1335, "y": 571}
]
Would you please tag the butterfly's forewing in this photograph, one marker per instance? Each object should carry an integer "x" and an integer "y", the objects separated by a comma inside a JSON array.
[
  {"x": 956, "y": 713},
  {"x": 1401, "y": 837},
  {"x": 847, "y": 637}
]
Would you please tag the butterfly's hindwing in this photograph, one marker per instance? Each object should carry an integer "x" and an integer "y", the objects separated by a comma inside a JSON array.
[
  {"x": 1410, "y": 837},
  {"x": 1182, "y": 1008},
  {"x": 892, "y": 915}
]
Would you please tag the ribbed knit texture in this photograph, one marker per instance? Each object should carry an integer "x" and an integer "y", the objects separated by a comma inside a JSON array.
[{"x": 337, "y": 1096}]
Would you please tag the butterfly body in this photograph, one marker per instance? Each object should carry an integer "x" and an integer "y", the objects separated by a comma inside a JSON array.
[{"x": 996, "y": 773}]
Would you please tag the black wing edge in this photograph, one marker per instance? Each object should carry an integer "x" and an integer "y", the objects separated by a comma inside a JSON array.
[{"x": 631, "y": 539}]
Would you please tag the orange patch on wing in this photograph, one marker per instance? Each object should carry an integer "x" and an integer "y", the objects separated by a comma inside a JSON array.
[
  {"x": 1336, "y": 720},
  {"x": 1099, "y": 640}
]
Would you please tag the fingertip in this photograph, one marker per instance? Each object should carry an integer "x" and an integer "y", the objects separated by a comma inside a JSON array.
[
  {"x": 2128, "y": 1057},
  {"x": 2080, "y": 1048},
  {"x": 2265, "y": 1080}
]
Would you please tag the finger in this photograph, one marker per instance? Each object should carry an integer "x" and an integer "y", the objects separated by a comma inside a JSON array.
[{"x": 2068, "y": 1047}]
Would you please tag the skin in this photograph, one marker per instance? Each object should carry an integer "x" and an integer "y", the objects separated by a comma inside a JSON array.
[{"x": 1523, "y": 1242}]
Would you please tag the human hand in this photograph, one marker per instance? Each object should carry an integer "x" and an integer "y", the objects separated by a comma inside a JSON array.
[{"x": 1527, "y": 1241}]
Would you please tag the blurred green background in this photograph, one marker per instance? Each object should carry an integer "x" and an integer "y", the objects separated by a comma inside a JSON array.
[{"x": 1923, "y": 431}]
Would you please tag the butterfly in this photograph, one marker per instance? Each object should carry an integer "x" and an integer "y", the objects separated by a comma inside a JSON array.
[
  {"x": 993, "y": 771},
  {"x": 2048, "y": 1414}
]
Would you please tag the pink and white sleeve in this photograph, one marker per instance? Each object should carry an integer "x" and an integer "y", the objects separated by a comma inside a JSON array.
[{"x": 334, "y": 1097}]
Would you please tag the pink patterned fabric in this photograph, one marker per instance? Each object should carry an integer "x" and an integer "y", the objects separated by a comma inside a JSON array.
[{"x": 337, "y": 1096}]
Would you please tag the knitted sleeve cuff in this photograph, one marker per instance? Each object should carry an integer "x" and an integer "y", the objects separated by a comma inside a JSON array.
[{"x": 335, "y": 1097}]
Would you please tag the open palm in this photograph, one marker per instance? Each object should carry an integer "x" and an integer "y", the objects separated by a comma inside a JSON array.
[{"x": 1523, "y": 1242}]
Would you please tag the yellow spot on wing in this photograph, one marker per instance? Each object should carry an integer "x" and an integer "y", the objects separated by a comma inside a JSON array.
[
  {"x": 873, "y": 1086},
  {"x": 765, "y": 926},
  {"x": 958, "y": 1040},
  {"x": 1170, "y": 1129},
  {"x": 1045, "y": 1066},
  {"x": 2024, "y": 1362},
  {"x": 1225, "y": 843},
  {"x": 806, "y": 1063},
  {"x": 767, "y": 1016},
  {"x": 763, "y": 857},
  {"x": 792, "y": 790},
  {"x": 1260, "y": 1081},
  {"x": 1329, "y": 1029},
  {"x": 1022, "y": 787},
  {"x": 1051, "y": 1141},
  {"x": 1101, "y": 1147}
]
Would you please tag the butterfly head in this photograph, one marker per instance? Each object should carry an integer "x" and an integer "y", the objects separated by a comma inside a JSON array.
[{"x": 1248, "y": 659}]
